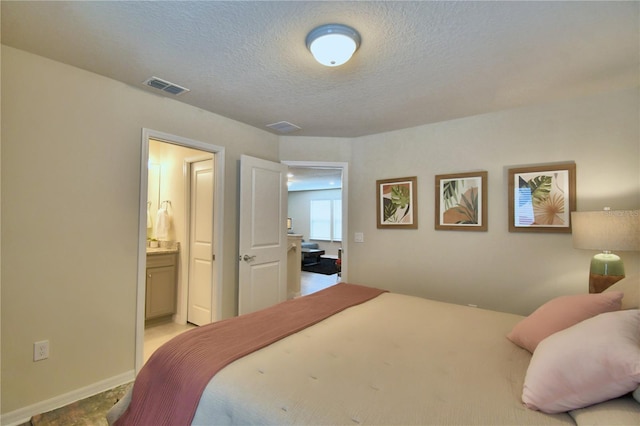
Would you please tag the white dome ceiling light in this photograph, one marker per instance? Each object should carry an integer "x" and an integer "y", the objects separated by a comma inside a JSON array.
[{"x": 333, "y": 44}]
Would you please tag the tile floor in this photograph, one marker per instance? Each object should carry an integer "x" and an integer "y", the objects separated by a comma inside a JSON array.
[{"x": 158, "y": 334}]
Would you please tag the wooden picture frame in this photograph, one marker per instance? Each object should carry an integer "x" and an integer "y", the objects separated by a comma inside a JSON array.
[
  {"x": 461, "y": 202},
  {"x": 541, "y": 198},
  {"x": 397, "y": 203}
]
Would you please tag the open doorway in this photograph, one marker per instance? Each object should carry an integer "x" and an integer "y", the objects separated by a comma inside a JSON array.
[
  {"x": 324, "y": 184},
  {"x": 189, "y": 176}
]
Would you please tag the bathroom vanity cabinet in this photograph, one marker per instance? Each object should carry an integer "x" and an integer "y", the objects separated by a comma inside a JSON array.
[{"x": 161, "y": 285}]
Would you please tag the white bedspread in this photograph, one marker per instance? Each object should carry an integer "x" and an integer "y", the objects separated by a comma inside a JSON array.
[{"x": 393, "y": 360}]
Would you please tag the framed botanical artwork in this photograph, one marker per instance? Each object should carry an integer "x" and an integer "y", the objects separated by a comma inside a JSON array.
[
  {"x": 461, "y": 201},
  {"x": 541, "y": 198},
  {"x": 397, "y": 203}
]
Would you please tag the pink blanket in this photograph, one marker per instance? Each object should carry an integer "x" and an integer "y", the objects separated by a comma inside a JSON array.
[{"x": 168, "y": 388}]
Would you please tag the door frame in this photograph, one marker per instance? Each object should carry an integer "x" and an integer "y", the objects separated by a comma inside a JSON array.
[
  {"x": 344, "y": 271},
  {"x": 218, "y": 228}
]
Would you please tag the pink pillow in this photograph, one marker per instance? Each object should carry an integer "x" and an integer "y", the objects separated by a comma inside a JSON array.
[
  {"x": 593, "y": 361},
  {"x": 560, "y": 313}
]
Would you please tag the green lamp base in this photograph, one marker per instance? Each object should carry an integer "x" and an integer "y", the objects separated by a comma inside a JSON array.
[{"x": 606, "y": 270}]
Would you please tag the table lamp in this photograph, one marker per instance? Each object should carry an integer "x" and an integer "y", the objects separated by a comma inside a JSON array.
[{"x": 606, "y": 230}]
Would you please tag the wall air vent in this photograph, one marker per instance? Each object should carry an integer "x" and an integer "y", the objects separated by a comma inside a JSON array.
[
  {"x": 165, "y": 86},
  {"x": 283, "y": 127}
]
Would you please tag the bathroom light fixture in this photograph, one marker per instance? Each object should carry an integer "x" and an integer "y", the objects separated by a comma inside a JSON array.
[{"x": 333, "y": 44}]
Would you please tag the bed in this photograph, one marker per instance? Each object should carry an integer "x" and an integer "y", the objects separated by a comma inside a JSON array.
[{"x": 387, "y": 359}]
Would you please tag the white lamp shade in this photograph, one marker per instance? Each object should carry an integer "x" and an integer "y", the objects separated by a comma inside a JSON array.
[
  {"x": 608, "y": 230},
  {"x": 333, "y": 44}
]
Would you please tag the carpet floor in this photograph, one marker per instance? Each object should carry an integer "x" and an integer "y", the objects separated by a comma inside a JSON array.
[{"x": 90, "y": 411}]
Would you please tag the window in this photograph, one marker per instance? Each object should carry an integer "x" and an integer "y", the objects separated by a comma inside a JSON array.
[{"x": 326, "y": 220}]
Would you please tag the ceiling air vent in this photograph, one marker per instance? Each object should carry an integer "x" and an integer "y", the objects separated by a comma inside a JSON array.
[
  {"x": 283, "y": 127},
  {"x": 165, "y": 86}
]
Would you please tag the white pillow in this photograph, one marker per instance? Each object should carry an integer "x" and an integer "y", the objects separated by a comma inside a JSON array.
[{"x": 590, "y": 362}]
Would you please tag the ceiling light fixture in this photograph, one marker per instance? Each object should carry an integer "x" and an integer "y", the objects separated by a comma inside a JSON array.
[{"x": 333, "y": 44}]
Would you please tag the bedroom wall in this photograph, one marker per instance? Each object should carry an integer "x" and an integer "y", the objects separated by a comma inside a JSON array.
[
  {"x": 70, "y": 185},
  {"x": 512, "y": 272}
]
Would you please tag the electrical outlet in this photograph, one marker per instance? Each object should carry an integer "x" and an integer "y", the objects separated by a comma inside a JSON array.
[{"x": 41, "y": 350}]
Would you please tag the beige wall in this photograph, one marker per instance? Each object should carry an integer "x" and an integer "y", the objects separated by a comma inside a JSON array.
[
  {"x": 513, "y": 272},
  {"x": 70, "y": 191},
  {"x": 296, "y": 148}
]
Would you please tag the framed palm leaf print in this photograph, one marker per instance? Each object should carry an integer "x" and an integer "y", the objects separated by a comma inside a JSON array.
[
  {"x": 397, "y": 203},
  {"x": 541, "y": 198},
  {"x": 461, "y": 201}
]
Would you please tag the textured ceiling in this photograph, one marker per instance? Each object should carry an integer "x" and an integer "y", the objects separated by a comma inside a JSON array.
[{"x": 419, "y": 62}]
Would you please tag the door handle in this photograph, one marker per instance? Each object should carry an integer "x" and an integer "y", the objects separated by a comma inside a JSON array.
[{"x": 248, "y": 258}]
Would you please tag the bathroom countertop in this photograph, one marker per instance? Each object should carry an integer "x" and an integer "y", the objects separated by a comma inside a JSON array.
[{"x": 173, "y": 248}]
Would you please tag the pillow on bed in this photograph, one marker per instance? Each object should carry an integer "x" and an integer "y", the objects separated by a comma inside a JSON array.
[
  {"x": 560, "y": 313},
  {"x": 593, "y": 361},
  {"x": 630, "y": 286}
]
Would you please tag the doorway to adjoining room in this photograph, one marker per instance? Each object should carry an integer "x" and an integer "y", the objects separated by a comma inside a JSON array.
[
  {"x": 315, "y": 209},
  {"x": 178, "y": 270}
]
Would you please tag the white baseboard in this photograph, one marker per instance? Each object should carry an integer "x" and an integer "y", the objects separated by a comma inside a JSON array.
[{"x": 23, "y": 415}]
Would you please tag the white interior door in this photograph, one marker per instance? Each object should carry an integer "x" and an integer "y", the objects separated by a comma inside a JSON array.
[
  {"x": 263, "y": 234},
  {"x": 201, "y": 261}
]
